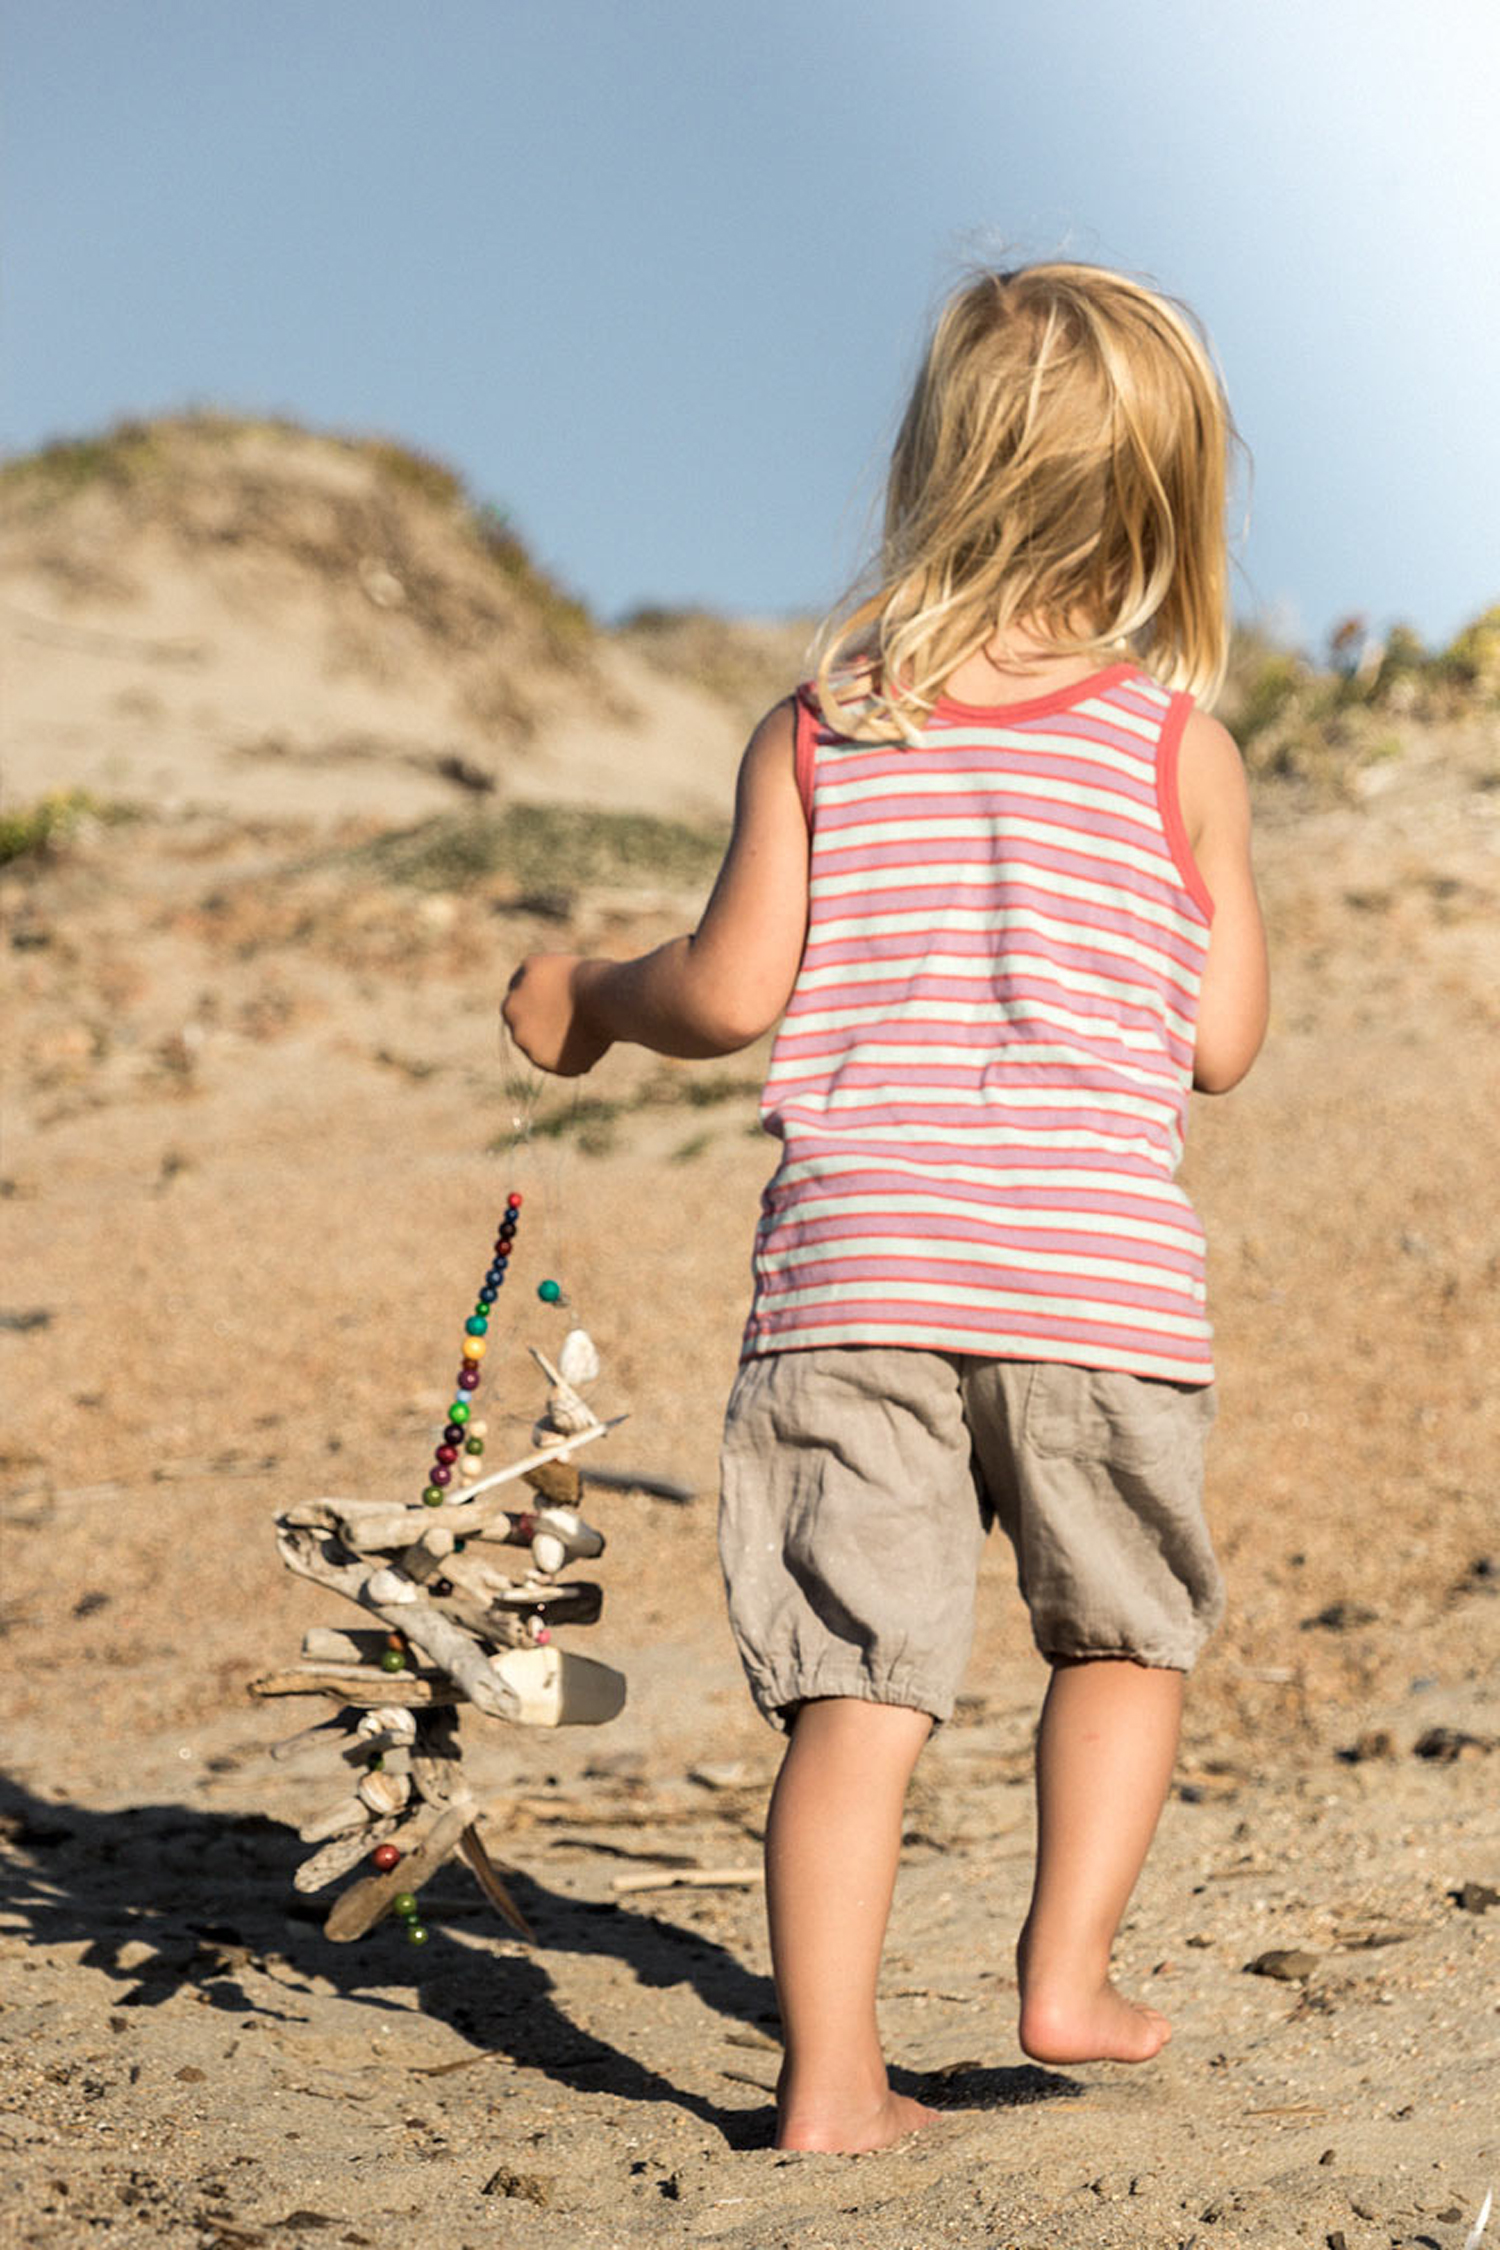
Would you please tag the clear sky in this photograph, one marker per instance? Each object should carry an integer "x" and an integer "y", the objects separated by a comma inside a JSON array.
[{"x": 652, "y": 274}]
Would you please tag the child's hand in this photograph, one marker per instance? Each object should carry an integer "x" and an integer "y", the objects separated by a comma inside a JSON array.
[{"x": 547, "y": 1018}]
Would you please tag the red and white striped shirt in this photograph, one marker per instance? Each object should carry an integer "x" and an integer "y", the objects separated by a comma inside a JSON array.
[{"x": 981, "y": 1080}]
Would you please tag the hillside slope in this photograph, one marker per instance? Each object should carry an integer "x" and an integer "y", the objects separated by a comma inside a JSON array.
[{"x": 244, "y": 614}]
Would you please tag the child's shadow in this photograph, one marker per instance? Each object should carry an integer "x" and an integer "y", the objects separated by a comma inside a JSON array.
[{"x": 207, "y": 1893}]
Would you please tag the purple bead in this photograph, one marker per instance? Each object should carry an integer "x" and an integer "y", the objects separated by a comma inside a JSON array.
[
  {"x": 469, "y": 1379},
  {"x": 453, "y": 1433},
  {"x": 440, "y": 1476}
]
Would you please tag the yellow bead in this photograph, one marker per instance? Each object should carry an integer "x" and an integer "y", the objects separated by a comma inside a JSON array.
[{"x": 474, "y": 1347}]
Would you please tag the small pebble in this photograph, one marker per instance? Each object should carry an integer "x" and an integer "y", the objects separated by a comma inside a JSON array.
[{"x": 1287, "y": 1967}]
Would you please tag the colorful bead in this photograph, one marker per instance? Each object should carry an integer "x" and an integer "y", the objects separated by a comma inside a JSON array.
[
  {"x": 385, "y": 1857},
  {"x": 513, "y": 1201},
  {"x": 432, "y": 1497},
  {"x": 392, "y": 1660},
  {"x": 477, "y": 1326},
  {"x": 473, "y": 1445},
  {"x": 459, "y": 1412},
  {"x": 453, "y": 1433},
  {"x": 447, "y": 1453},
  {"x": 416, "y": 1933},
  {"x": 442, "y": 1475},
  {"x": 440, "y": 1588},
  {"x": 474, "y": 1348},
  {"x": 468, "y": 1378},
  {"x": 404, "y": 1903},
  {"x": 550, "y": 1292},
  {"x": 488, "y": 1294}
]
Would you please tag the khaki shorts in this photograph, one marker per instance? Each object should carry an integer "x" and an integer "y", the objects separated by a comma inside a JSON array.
[{"x": 859, "y": 1483}]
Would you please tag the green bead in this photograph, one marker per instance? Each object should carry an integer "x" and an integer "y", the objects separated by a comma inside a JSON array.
[
  {"x": 481, "y": 1312},
  {"x": 416, "y": 1933},
  {"x": 432, "y": 1496},
  {"x": 550, "y": 1292},
  {"x": 459, "y": 1410},
  {"x": 392, "y": 1660},
  {"x": 474, "y": 1445},
  {"x": 478, "y": 1326},
  {"x": 405, "y": 1904}
]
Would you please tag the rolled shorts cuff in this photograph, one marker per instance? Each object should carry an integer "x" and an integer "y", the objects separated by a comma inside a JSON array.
[{"x": 777, "y": 1697}]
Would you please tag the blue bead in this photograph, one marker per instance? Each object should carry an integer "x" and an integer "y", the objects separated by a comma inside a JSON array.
[
  {"x": 488, "y": 1295},
  {"x": 494, "y": 1277},
  {"x": 476, "y": 1327}
]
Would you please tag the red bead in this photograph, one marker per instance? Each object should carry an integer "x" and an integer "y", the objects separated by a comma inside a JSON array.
[
  {"x": 513, "y": 1202},
  {"x": 385, "y": 1857},
  {"x": 448, "y": 1453}
]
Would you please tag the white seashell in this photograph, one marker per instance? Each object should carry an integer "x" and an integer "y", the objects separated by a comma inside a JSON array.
[
  {"x": 390, "y": 1586},
  {"x": 391, "y": 1720},
  {"x": 384, "y": 1792},
  {"x": 548, "y": 1552},
  {"x": 578, "y": 1362}
]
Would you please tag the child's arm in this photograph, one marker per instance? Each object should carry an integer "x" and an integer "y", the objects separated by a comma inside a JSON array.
[
  {"x": 1234, "y": 1001},
  {"x": 701, "y": 995}
]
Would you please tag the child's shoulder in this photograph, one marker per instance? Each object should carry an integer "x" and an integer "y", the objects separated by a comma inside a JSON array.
[{"x": 1211, "y": 783}]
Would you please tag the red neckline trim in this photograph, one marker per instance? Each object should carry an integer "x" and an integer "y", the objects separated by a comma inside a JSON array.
[{"x": 1094, "y": 683}]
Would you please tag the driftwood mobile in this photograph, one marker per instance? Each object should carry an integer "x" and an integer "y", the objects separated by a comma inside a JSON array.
[{"x": 451, "y": 1627}]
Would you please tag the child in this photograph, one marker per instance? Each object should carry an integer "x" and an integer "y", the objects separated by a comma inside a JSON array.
[{"x": 993, "y": 867}]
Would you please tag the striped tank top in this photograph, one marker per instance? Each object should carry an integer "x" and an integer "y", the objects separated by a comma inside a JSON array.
[{"x": 980, "y": 1083}]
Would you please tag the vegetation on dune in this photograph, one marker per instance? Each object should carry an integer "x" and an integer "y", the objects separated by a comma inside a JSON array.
[
  {"x": 549, "y": 850},
  {"x": 1298, "y": 720},
  {"x": 39, "y": 831}
]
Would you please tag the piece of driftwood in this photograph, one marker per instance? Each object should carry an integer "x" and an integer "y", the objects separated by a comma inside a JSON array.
[
  {"x": 489, "y": 1879},
  {"x": 313, "y": 1737},
  {"x": 690, "y": 1879},
  {"x": 343, "y": 1852},
  {"x": 337, "y": 1820},
  {"x": 362, "y": 1905},
  {"x": 361, "y": 1689},
  {"x": 316, "y": 1555}
]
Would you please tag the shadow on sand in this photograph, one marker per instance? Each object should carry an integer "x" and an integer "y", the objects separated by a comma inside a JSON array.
[{"x": 208, "y": 1893}]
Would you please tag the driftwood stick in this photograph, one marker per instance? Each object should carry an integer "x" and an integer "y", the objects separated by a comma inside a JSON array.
[
  {"x": 690, "y": 1879},
  {"x": 315, "y": 1556},
  {"x": 337, "y": 1820},
  {"x": 488, "y": 1877},
  {"x": 355, "y": 1685},
  {"x": 295, "y": 1744},
  {"x": 338, "y": 1857},
  {"x": 562, "y": 1450},
  {"x": 361, "y": 1906}
]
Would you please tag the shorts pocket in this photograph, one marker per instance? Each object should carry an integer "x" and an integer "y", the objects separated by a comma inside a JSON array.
[{"x": 1098, "y": 1414}]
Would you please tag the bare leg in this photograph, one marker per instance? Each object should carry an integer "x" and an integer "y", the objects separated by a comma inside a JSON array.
[
  {"x": 833, "y": 1839},
  {"x": 1103, "y": 1761}
]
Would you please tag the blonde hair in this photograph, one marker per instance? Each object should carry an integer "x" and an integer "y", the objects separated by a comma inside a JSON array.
[{"x": 1062, "y": 465}]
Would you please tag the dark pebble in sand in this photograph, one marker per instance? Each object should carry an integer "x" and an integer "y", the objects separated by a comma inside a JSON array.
[{"x": 1285, "y": 1967}]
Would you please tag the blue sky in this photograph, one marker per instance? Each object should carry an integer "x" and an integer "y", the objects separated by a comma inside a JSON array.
[{"x": 653, "y": 274}]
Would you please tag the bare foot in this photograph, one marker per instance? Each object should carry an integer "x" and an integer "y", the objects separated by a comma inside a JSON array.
[
  {"x": 842, "y": 2131},
  {"x": 1100, "y": 2026}
]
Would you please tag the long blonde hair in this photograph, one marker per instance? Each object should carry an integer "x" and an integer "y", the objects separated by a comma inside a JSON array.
[{"x": 1061, "y": 465}]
